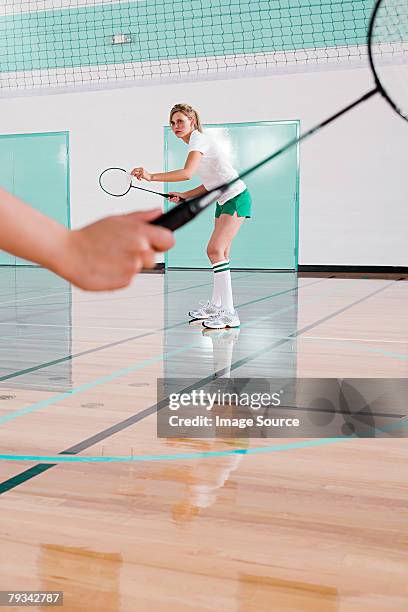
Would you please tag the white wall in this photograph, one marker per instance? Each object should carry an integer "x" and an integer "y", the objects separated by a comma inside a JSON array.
[{"x": 354, "y": 193}]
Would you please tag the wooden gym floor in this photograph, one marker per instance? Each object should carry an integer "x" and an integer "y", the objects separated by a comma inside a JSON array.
[{"x": 94, "y": 504}]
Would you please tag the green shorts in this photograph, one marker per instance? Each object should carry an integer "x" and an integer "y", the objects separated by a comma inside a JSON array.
[{"x": 241, "y": 204}]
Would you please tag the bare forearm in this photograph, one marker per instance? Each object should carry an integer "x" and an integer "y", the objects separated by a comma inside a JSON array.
[
  {"x": 29, "y": 234},
  {"x": 171, "y": 177},
  {"x": 194, "y": 193},
  {"x": 101, "y": 256}
]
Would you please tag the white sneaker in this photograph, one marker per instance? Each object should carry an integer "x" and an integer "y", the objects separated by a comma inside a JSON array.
[
  {"x": 223, "y": 319},
  {"x": 206, "y": 310}
]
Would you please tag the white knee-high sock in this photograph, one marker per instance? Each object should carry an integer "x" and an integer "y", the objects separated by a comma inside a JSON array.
[{"x": 222, "y": 289}]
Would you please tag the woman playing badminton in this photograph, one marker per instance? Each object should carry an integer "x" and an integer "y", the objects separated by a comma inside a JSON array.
[{"x": 207, "y": 160}]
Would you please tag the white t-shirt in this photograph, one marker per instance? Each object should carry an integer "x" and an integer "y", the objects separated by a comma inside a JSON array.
[{"x": 215, "y": 168}]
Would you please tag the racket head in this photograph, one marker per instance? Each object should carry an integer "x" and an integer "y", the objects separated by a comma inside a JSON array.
[
  {"x": 115, "y": 181},
  {"x": 388, "y": 52}
]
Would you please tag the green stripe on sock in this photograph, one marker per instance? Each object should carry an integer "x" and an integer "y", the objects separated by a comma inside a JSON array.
[
  {"x": 220, "y": 265},
  {"x": 221, "y": 270}
]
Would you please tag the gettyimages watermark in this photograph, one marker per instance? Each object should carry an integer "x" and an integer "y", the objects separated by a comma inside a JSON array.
[{"x": 282, "y": 408}]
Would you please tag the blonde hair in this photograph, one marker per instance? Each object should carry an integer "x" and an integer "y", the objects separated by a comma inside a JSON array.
[{"x": 189, "y": 112}]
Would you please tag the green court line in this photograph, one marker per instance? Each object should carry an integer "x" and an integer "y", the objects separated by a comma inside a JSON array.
[
  {"x": 90, "y": 385},
  {"x": 196, "y": 455},
  {"x": 55, "y": 459}
]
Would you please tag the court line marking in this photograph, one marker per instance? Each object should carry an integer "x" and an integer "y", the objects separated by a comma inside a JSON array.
[
  {"x": 7, "y": 485},
  {"x": 153, "y": 330},
  {"x": 23, "y": 291},
  {"x": 355, "y": 339},
  {"x": 81, "y": 293},
  {"x": 143, "y": 364},
  {"x": 41, "y": 313},
  {"x": 35, "y": 297},
  {"x": 71, "y": 326},
  {"x": 124, "y": 298},
  {"x": 368, "y": 349},
  {"x": 163, "y": 293},
  {"x": 137, "y": 337},
  {"x": 116, "y": 374},
  {"x": 57, "y": 459},
  {"x": 96, "y": 438},
  {"x": 35, "y": 336}
]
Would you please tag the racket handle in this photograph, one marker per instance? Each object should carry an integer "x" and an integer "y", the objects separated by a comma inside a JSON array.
[
  {"x": 179, "y": 215},
  {"x": 167, "y": 195}
]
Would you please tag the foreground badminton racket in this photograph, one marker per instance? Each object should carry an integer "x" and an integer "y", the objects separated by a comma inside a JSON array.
[
  {"x": 388, "y": 34},
  {"x": 117, "y": 182}
]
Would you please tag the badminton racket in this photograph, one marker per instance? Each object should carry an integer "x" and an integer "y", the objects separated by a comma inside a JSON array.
[{"x": 117, "y": 182}]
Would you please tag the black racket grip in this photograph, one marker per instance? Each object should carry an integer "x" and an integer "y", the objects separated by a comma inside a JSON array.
[
  {"x": 179, "y": 215},
  {"x": 167, "y": 195}
]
